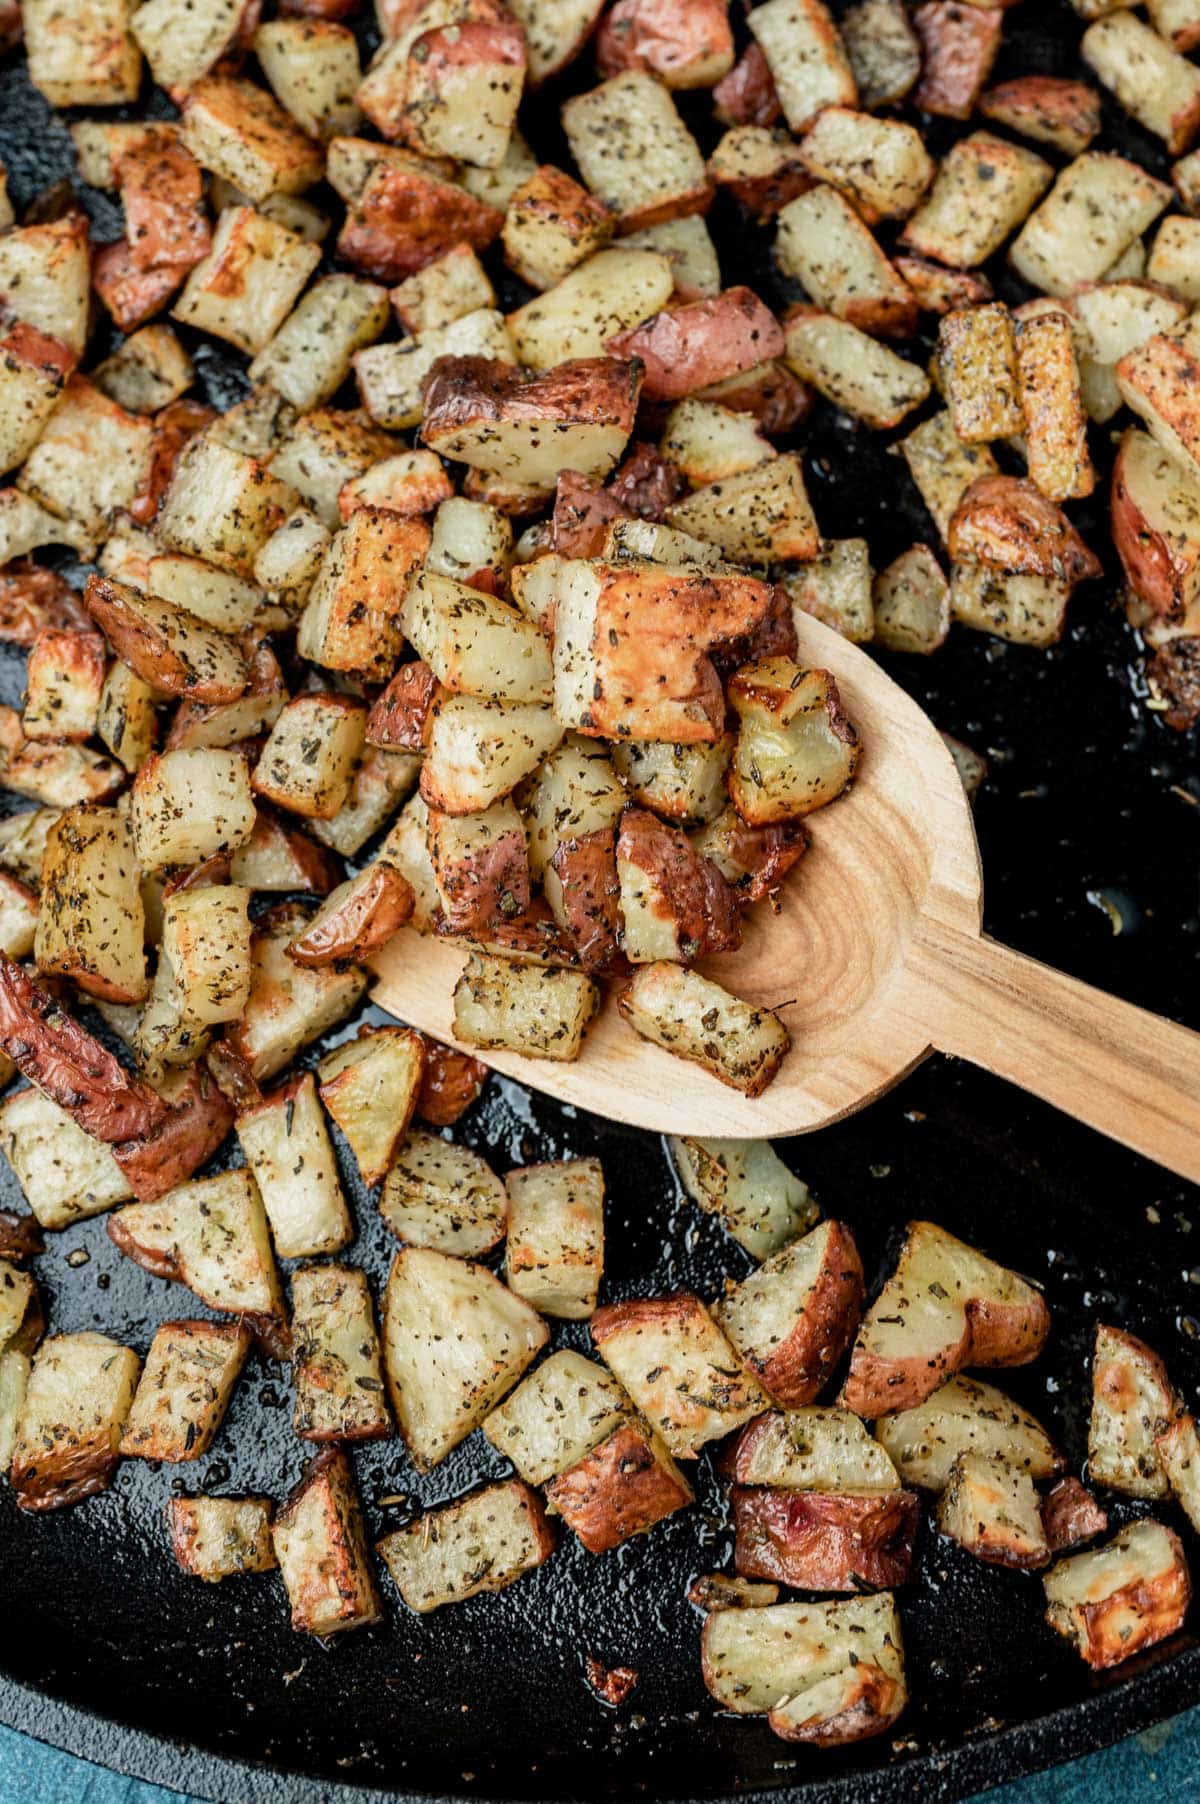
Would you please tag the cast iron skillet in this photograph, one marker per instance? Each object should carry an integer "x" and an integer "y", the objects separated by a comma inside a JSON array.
[{"x": 1090, "y": 818}]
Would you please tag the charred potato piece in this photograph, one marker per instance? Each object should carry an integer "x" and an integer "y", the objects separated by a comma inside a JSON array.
[
  {"x": 946, "y": 1306},
  {"x": 70, "y": 1421},
  {"x": 557, "y": 1416},
  {"x": 455, "y": 1340},
  {"x": 1119, "y": 1599},
  {"x": 814, "y": 1541},
  {"x": 321, "y": 1546},
  {"x": 625, "y": 1485},
  {"x": 1056, "y": 447},
  {"x": 184, "y": 1389},
  {"x": 250, "y": 281},
  {"x": 287, "y": 1147},
  {"x": 793, "y": 1318},
  {"x": 554, "y": 1254},
  {"x": 719, "y": 1591},
  {"x": 1006, "y": 522},
  {"x": 215, "y": 1538},
  {"x": 481, "y": 1543},
  {"x": 678, "y": 1367},
  {"x": 1048, "y": 108},
  {"x": 64, "y": 675},
  {"x": 337, "y": 1368}
]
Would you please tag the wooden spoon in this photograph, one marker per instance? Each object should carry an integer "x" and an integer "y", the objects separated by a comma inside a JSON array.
[{"x": 875, "y": 959}]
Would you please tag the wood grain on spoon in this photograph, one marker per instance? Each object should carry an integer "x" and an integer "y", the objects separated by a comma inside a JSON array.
[{"x": 875, "y": 959}]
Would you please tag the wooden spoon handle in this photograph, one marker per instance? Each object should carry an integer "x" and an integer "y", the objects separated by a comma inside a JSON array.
[{"x": 1128, "y": 1074}]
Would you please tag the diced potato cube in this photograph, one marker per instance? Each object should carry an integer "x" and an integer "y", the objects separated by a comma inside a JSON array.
[
  {"x": 444, "y": 1197},
  {"x": 912, "y": 603},
  {"x": 748, "y": 1187},
  {"x": 370, "y": 1087},
  {"x": 70, "y": 1421},
  {"x": 678, "y": 1367},
  {"x": 542, "y": 1012},
  {"x": 482, "y": 1543},
  {"x": 308, "y": 761},
  {"x": 321, "y": 1546},
  {"x": 309, "y": 357},
  {"x": 64, "y": 1173},
  {"x": 696, "y": 1019},
  {"x": 554, "y": 1255},
  {"x": 557, "y": 1415},
  {"x": 289, "y": 1004},
  {"x": 287, "y": 1147},
  {"x": 248, "y": 284},
  {"x": 91, "y": 922},
  {"x": 210, "y": 1234},
  {"x": 187, "y": 805},
  {"x": 184, "y": 1389},
  {"x": 84, "y": 54},
  {"x": 215, "y": 1538},
  {"x": 337, "y": 1367}
]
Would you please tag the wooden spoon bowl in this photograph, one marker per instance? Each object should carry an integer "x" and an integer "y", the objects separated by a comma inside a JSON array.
[{"x": 874, "y": 959}]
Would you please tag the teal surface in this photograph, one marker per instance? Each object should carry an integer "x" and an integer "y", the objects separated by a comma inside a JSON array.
[{"x": 1162, "y": 1765}]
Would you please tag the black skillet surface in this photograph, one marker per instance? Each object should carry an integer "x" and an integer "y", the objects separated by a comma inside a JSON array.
[{"x": 1091, "y": 814}]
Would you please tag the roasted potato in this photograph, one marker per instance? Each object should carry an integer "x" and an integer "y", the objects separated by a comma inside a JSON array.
[
  {"x": 287, "y": 1147},
  {"x": 455, "y": 1340},
  {"x": 826, "y": 1673},
  {"x": 793, "y": 1318},
  {"x": 90, "y": 924},
  {"x": 554, "y": 1252},
  {"x": 481, "y": 1543},
  {"x": 540, "y": 1011},
  {"x": 679, "y": 1369},
  {"x": 1133, "y": 1406},
  {"x": 626, "y": 1484},
  {"x": 444, "y": 1197},
  {"x": 748, "y": 1187},
  {"x": 965, "y": 1416},
  {"x": 1121, "y": 1598},
  {"x": 696, "y": 1019},
  {"x": 321, "y": 1546},
  {"x": 70, "y": 1421},
  {"x": 823, "y": 243},
  {"x": 215, "y": 1538},
  {"x": 945, "y": 1307},
  {"x": 370, "y": 1086},
  {"x": 993, "y": 1512},
  {"x": 337, "y": 1368},
  {"x": 557, "y": 1415},
  {"x": 184, "y": 1389},
  {"x": 811, "y": 1449},
  {"x": 634, "y": 151}
]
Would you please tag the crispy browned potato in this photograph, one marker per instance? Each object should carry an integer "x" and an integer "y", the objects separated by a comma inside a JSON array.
[
  {"x": 1047, "y": 108},
  {"x": 1133, "y": 1405},
  {"x": 673, "y": 902},
  {"x": 196, "y": 1123},
  {"x": 687, "y": 348},
  {"x": 1156, "y": 524},
  {"x": 174, "y": 652},
  {"x": 818, "y": 1541},
  {"x": 993, "y": 1512},
  {"x": 586, "y": 869},
  {"x": 321, "y": 1545},
  {"x": 622, "y": 1488},
  {"x": 1119, "y": 1599},
  {"x": 214, "y": 1538},
  {"x": 450, "y": 1082},
  {"x": 678, "y": 1367},
  {"x": 69, "y": 1425},
  {"x": 407, "y": 216},
  {"x": 359, "y": 917},
  {"x": 945, "y": 1307},
  {"x": 58, "y": 1055},
  {"x": 1006, "y": 522},
  {"x": 20, "y": 1236}
]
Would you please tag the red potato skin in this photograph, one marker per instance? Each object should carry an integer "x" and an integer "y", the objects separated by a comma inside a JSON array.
[
  {"x": 532, "y": 934},
  {"x": 875, "y": 1387},
  {"x": 617, "y": 1491},
  {"x": 399, "y": 719},
  {"x": 877, "y": 1702},
  {"x": 939, "y": 290},
  {"x": 779, "y": 401},
  {"x": 163, "y": 193},
  {"x": 647, "y": 484},
  {"x": 686, "y": 348},
  {"x": 32, "y": 600},
  {"x": 69, "y": 1065},
  {"x": 773, "y": 637},
  {"x": 1154, "y": 570},
  {"x": 187, "y": 1137},
  {"x": 317, "y": 9},
  {"x": 1071, "y": 1515},
  {"x": 1006, "y": 521},
  {"x": 137, "y": 645},
  {"x": 1159, "y": 1605},
  {"x": 798, "y": 1369},
  {"x": 1174, "y": 674},
  {"x": 1070, "y": 105},
  {"x": 816, "y": 1541},
  {"x": 20, "y": 1236},
  {"x": 367, "y": 921},
  {"x": 1007, "y": 1336},
  {"x": 486, "y": 889},
  {"x": 698, "y": 899},
  {"x": 25, "y": 344},
  {"x": 266, "y": 678},
  {"x": 462, "y": 391},
  {"x": 404, "y": 220},
  {"x": 437, "y": 56},
  {"x": 174, "y": 427},
  {"x": 763, "y": 196},
  {"x": 612, "y": 1684},
  {"x": 958, "y": 47},
  {"x": 663, "y": 38},
  {"x": 768, "y": 853},
  {"x": 198, "y": 876},
  {"x": 747, "y": 96},
  {"x": 587, "y": 867},
  {"x": 583, "y": 509},
  {"x": 132, "y": 295},
  {"x": 450, "y": 1082}
]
